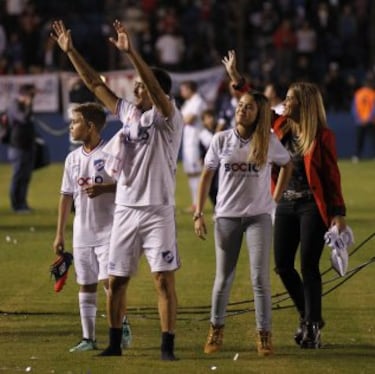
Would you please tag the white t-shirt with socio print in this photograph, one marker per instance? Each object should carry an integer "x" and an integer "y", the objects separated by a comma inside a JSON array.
[
  {"x": 152, "y": 144},
  {"x": 93, "y": 216},
  {"x": 244, "y": 189}
]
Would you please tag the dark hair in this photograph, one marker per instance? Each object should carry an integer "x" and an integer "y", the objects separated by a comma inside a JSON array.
[
  {"x": 27, "y": 89},
  {"x": 277, "y": 88},
  {"x": 163, "y": 78},
  {"x": 208, "y": 112},
  {"x": 92, "y": 112},
  {"x": 193, "y": 85}
]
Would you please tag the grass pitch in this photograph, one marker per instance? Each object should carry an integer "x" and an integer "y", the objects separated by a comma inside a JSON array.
[{"x": 38, "y": 326}]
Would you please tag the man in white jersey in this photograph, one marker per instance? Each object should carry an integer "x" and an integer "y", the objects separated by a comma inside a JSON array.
[
  {"x": 144, "y": 215},
  {"x": 192, "y": 109},
  {"x": 93, "y": 191}
]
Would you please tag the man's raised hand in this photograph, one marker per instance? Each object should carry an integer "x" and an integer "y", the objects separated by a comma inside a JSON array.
[
  {"x": 62, "y": 36},
  {"x": 123, "y": 40}
]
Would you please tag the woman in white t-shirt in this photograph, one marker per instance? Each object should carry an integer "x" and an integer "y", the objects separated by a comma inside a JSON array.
[{"x": 243, "y": 156}]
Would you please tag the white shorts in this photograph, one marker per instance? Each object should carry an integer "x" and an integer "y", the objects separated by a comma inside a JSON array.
[
  {"x": 91, "y": 264},
  {"x": 136, "y": 230}
]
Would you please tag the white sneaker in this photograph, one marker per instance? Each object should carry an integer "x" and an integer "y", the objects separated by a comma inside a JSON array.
[
  {"x": 126, "y": 334},
  {"x": 84, "y": 345}
]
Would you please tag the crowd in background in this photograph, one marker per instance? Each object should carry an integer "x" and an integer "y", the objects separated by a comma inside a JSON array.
[{"x": 328, "y": 42}]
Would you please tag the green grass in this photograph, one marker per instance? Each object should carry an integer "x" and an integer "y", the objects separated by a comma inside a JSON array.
[{"x": 37, "y": 326}]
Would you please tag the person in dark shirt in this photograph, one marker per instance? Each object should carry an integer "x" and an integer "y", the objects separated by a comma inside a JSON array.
[{"x": 21, "y": 147}]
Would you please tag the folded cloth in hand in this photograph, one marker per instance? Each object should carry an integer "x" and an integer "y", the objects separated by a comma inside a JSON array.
[
  {"x": 339, "y": 243},
  {"x": 114, "y": 152}
]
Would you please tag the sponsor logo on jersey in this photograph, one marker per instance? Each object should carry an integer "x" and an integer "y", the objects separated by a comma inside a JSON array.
[
  {"x": 241, "y": 167},
  {"x": 99, "y": 164},
  {"x": 85, "y": 181},
  {"x": 168, "y": 256}
]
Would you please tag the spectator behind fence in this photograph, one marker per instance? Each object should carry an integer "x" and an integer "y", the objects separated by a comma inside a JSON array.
[
  {"x": 363, "y": 111},
  {"x": 21, "y": 146}
]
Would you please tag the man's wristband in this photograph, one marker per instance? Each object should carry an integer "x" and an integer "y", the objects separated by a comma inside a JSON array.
[{"x": 197, "y": 215}]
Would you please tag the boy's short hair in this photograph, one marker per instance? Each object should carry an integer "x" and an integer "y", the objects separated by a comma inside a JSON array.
[
  {"x": 191, "y": 84},
  {"x": 27, "y": 89},
  {"x": 208, "y": 112},
  {"x": 163, "y": 78},
  {"x": 92, "y": 112}
]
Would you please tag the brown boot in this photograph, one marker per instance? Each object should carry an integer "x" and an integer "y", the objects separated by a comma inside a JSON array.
[
  {"x": 264, "y": 343},
  {"x": 214, "y": 339}
]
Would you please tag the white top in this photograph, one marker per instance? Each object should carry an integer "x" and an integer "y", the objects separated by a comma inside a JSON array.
[
  {"x": 93, "y": 216},
  {"x": 152, "y": 143},
  {"x": 170, "y": 48},
  {"x": 205, "y": 138},
  {"x": 190, "y": 149},
  {"x": 244, "y": 190}
]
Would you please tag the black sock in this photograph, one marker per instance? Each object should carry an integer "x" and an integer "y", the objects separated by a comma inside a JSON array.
[
  {"x": 167, "y": 346},
  {"x": 115, "y": 337},
  {"x": 167, "y": 341},
  {"x": 114, "y": 348}
]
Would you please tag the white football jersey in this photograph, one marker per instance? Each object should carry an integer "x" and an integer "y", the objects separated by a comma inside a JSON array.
[
  {"x": 190, "y": 147},
  {"x": 244, "y": 189},
  {"x": 152, "y": 144},
  {"x": 93, "y": 216}
]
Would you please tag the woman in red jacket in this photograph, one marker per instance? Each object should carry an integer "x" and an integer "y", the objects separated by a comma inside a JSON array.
[{"x": 311, "y": 203}]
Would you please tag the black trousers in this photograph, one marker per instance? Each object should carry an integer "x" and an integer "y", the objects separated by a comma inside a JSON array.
[
  {"x": 363, "y": 132},
  {"x": 298, "y": 224}
]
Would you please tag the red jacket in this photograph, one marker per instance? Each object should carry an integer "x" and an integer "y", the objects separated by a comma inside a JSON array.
[{"x": 322, "y": 172}]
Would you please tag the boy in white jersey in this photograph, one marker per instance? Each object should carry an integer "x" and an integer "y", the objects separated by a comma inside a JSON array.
[
  {"x": 144, "y": 216},
  {"x": 87, "y": 184},
  {"x": 244, "y": 157}
]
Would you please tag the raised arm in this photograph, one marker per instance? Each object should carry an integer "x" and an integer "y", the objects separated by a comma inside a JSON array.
[
  {"x": 230, "y": 63},
  {"x": 157, "y": 95},
  {"x": 90, "y": 77}
]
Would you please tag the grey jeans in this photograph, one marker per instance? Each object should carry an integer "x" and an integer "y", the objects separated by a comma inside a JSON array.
[{"x": 228, "y": 240}]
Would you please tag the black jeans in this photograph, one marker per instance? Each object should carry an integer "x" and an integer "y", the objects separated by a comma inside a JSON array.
[
  {"x": 365, "y": 131},
  {"x": 297, "y": 223},
  {"x": 22, "y": 161}
]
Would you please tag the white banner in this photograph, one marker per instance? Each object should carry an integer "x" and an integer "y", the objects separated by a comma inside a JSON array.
[
  {"x": 208, "y": 81},
  {"x": 47, "y": 90},
  {"x": 122, "y": 82}
]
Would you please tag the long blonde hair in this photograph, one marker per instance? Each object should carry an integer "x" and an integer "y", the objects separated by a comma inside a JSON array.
[
  {"x": 312, "y": 114},
  {"x": 261, "y": 130}
]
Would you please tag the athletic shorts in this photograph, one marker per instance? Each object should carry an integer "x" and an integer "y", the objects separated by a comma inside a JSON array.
[
  {"x": 136, "y": 230},
  {"x": 91, "y": 264}
]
